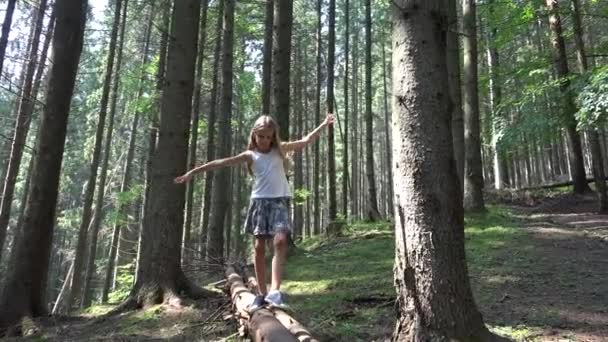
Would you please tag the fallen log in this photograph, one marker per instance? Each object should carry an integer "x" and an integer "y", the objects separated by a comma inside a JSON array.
[
  {"x": 295, "y": 327},
  {"x": 262, "y": 324}
]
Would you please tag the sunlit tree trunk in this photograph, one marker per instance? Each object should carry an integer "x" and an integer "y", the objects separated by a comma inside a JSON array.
[
  {"x": 435, "y": 301},
  {"x": 575, "y": 152},
  {"x": 501, "y": 177},
  {"x": 594, "y": 138},
  {"x": 473, "y": 172},
  {"x": 160, "y": 278}
]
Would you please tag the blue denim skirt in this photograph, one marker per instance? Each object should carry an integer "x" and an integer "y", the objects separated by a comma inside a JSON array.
[{"x": 268, "y": 216}]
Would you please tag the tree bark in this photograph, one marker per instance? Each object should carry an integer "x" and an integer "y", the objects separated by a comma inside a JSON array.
[
  {"x": 345, "y": 164},
  {"x": 594, "y": 139},
  {"x": 25, "y": 283},
  {"x": 212, "y": 118},
  {"x": 331, "y": 152},
  {"x": 159, "y": 274},
  {"x": 298, "y": 181},
  {"x": 372, "y": 204},
  {"x": 501, "y": 177},
  {"x": 281, "y": 53},
  {"x": 473, "y": 173},
  {"x": 387, "y": 141},
  {"x": 317, "y": 121},
  {"x": 262, "y": 325},
  {"x": 215, "y": 233},
  {"x": 267, "y": 58},
  {"x": 453, "y": 63},
  {"x": 6, "y": 29},
  {"x": 196, "y": 102},
  {"x": 575, "y": 153},
  {"x": 434, "y": 299}
]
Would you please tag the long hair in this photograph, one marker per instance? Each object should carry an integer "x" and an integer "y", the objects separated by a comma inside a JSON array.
[{"x": 264, "y": 122}]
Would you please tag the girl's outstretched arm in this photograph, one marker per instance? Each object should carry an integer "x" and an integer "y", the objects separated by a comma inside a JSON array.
[
  {"x": 214, "y": 164},
  {"x": 310, "y": 138}
]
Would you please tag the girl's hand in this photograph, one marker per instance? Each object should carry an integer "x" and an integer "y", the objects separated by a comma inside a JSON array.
[
  {"x": 183, "y": 178},
  {"x": 329, "y": 119}
]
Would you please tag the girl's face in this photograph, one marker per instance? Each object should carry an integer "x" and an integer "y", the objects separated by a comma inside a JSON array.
[{"x": 263, "y": 139}]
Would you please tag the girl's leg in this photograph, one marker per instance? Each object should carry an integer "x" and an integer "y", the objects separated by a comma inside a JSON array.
[
  {"x": 259, "y": 249},
  {"x": 280, "y": 250}
]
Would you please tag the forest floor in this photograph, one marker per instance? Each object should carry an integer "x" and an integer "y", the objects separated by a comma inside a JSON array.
[{"x": 538, "y": 269}]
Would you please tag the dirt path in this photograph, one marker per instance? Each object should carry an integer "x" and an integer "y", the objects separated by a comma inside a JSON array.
[{"x": 562, "y": 288}]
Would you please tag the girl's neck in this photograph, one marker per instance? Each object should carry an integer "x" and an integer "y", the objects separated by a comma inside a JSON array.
[{"x": 262, "y": 151}]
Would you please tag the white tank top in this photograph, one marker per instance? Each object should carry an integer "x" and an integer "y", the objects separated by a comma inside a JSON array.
[{"x": 269, "y": 175}]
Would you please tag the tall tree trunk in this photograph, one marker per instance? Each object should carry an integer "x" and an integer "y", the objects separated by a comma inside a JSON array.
[
  {"x": 122, "y": 223},
  {"x": 281, "y": 51},
  {"x": 215, "y": 233},
  {"x": 501, "y": 178},
  {"x": 207, "y": 203},
  {"x": 435, "y": 301},
  {"x": 6, "y": 29},
  {"x": 473, "y": 173},
  {"x": 298, "y": 210},
  {"x": 594, "y": 138},
  {"x": 159, "y": 274},
  {"x": 22, "y": 125},
  {"x": 575, "y": 153},
  {"x": 34, "y": 97},
  {"x": 354, "y": 196},
  {"x": 165, "y": 13},
  {"x": 317, "y": 120},
  {"x": 372, "y": 204},
  {"x": 196, "y": 103},
  {"x": 453, "y": 63},
  {"x": 267, "y": 61},
  {"x": 331, "y": 153},
  {"x": 25, "y": 283},
  {"x": 389, "y": 153},
  {"x": 345, "y": 164},
  {"x": 74, "y": 299}
]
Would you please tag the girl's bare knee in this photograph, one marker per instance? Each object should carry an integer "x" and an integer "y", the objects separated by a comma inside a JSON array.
[{"x": 280, "y": 241}]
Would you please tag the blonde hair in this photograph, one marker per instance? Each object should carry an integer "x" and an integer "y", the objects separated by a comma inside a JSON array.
[{"x": 265, "y": 122}]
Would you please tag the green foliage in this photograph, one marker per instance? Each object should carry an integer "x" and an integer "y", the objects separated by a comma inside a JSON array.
[
  {"x": 593, "y": 98},
  {"x": 124, "y": 281},
  {"x": 300, "y": 195}
]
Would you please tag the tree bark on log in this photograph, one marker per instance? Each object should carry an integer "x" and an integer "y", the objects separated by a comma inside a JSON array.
[{"x": 264, "y": 325}]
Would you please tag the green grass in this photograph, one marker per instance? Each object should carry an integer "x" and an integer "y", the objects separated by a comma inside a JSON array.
[
  {"x": 148, "y": 318},
  {"x": 328, "y": 279}
]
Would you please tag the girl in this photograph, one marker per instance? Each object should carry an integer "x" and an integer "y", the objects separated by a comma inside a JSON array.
[{"x": 268, "y": 214}]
